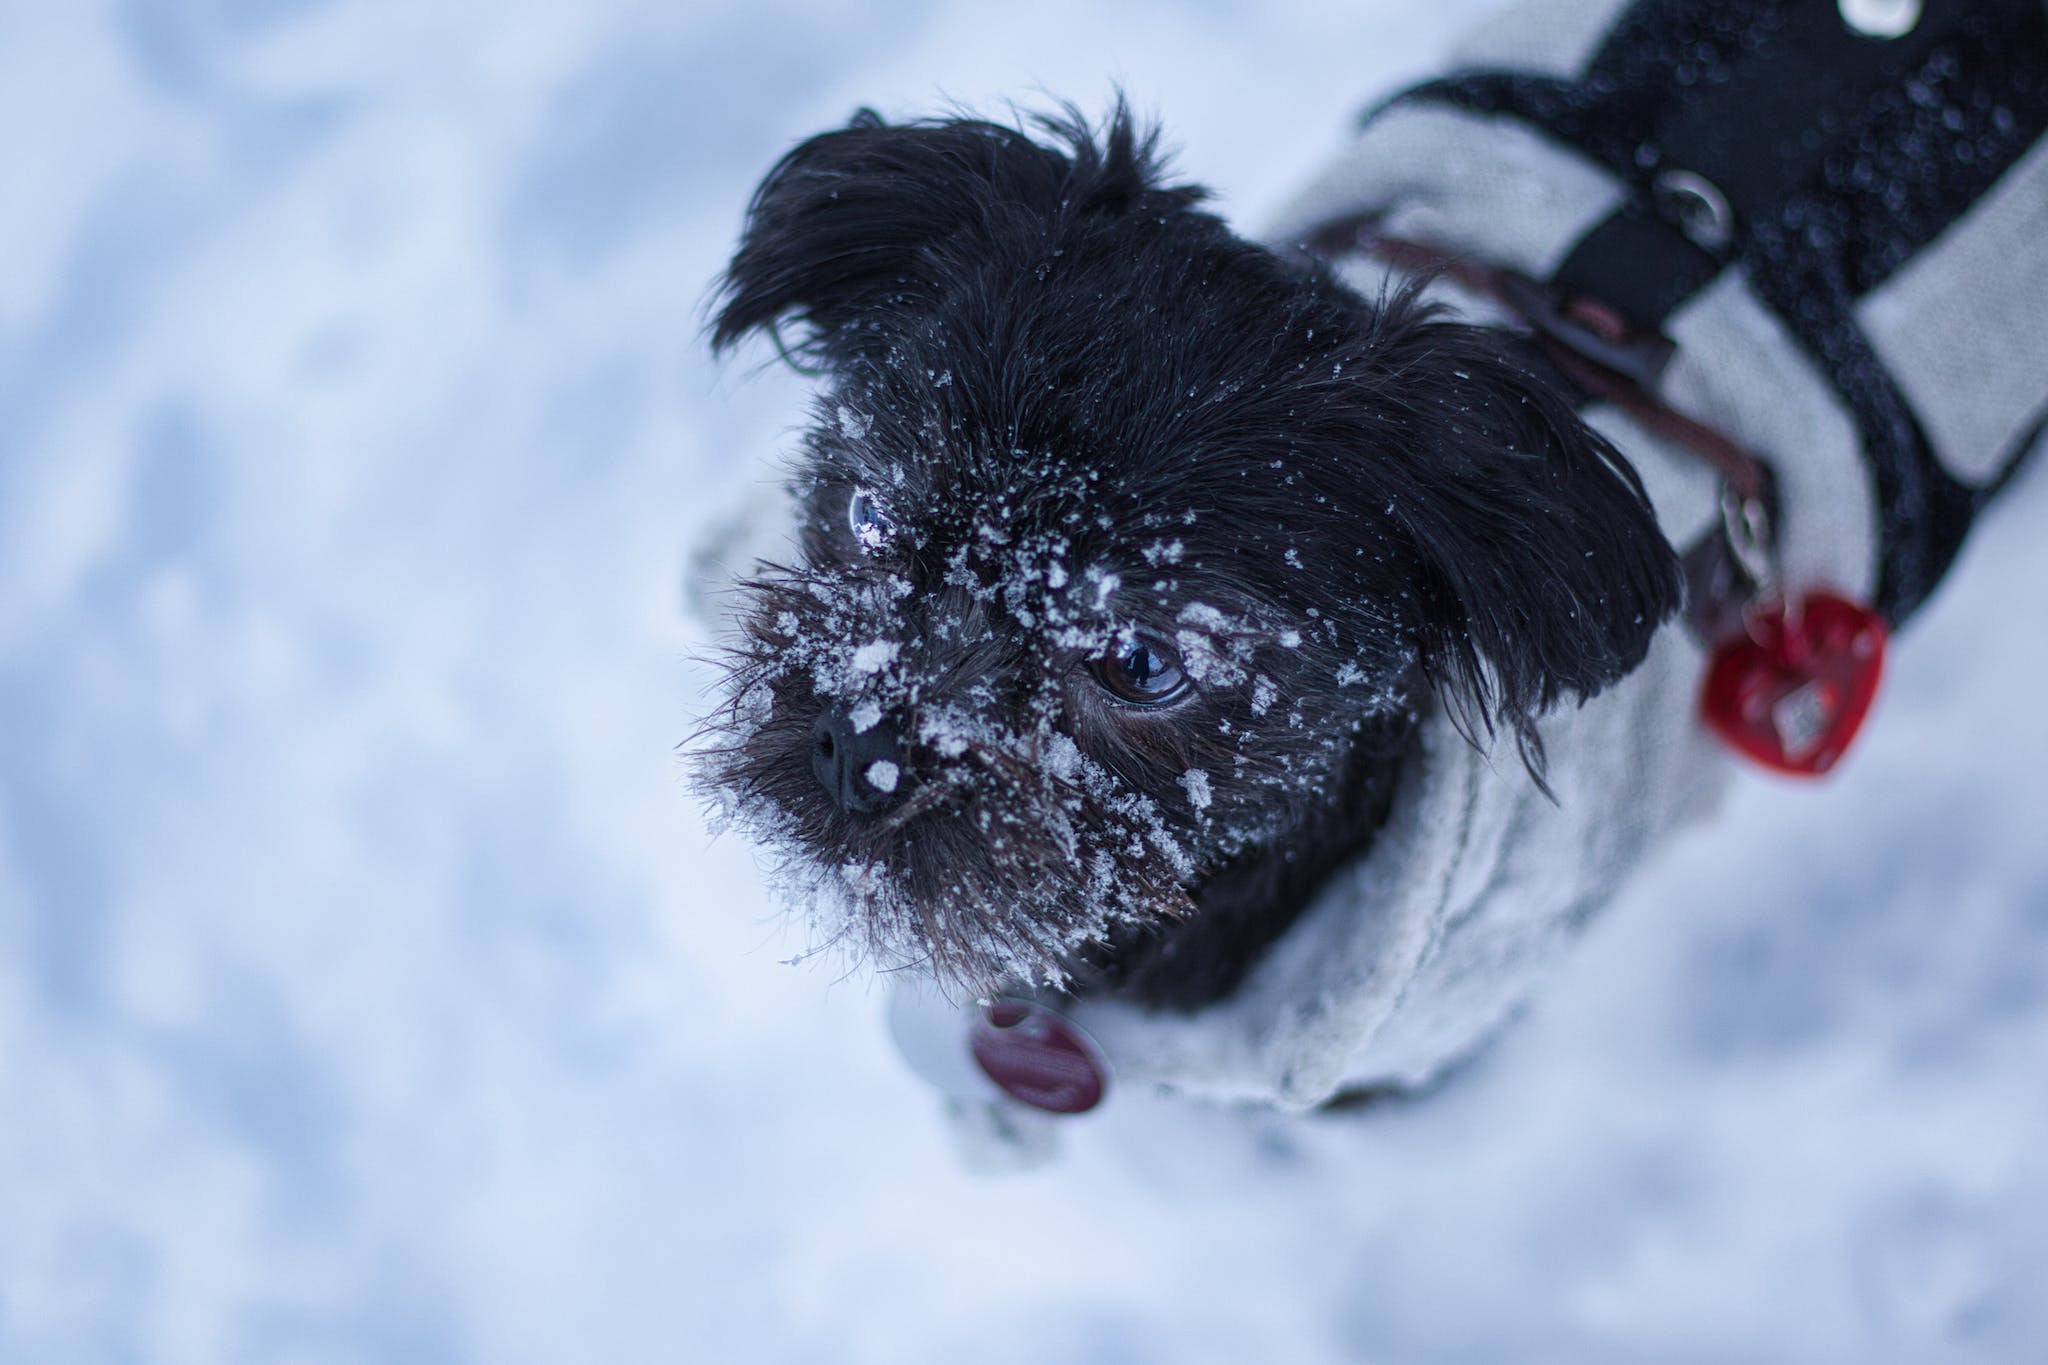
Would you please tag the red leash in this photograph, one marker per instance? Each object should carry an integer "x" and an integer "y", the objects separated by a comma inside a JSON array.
[{"x": 1790, "y": 678}]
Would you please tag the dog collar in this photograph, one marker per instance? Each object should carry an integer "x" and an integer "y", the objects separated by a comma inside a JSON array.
[{"x": 1790, "y": 675}]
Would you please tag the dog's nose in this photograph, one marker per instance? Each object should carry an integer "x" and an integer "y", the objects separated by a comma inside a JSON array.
[{"x": 861, "y": 767}]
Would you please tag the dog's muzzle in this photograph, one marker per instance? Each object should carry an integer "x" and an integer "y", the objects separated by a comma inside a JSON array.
[{"x": 862, "y": 769}]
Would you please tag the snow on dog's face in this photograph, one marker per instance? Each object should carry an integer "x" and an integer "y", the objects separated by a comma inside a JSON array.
[
  {"x": 1128, "y": 549},
  {"x": 1001, "y": 708}
]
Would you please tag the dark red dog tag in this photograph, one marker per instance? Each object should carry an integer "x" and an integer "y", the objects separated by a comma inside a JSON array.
[
  {"x": 1038, "y": 1058},
  {"x": 1792, "y": 692}
]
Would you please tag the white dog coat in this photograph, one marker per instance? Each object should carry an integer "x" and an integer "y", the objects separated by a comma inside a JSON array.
[{"x": 1878, "y": 342}]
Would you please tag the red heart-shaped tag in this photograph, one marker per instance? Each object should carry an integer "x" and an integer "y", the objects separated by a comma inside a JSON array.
[
  {"x": 1792, "y": 692},
  {"x": 1038, "y": 1058}
]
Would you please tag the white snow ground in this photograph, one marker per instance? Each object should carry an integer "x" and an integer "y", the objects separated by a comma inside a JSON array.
[{"x": 369, "y": 990}]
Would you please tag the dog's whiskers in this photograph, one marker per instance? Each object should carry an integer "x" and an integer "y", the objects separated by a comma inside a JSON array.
[{"x": 926, "y": 796}]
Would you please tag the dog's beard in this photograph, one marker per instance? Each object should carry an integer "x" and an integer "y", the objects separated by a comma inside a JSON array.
[{"x": 1012, "y": 852}]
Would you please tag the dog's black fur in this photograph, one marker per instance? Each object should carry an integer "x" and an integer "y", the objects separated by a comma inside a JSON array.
[{"x": 1075, "y": 434}]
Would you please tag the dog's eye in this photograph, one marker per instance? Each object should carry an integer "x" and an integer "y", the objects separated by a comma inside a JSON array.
[
  {"x": 1145, "y": 672},
  {"x": 868, "y": 522}
]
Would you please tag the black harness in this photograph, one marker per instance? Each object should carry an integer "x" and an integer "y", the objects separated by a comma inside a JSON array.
[{"x": 1770, "y": 135}]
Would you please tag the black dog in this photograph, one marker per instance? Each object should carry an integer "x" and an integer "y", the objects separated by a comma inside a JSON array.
[
  {"x": 1130, "y": 550},
  {"x": 1137, "y": 560}
]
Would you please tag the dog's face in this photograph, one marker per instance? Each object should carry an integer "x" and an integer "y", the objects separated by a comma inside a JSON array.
[{"x": 1130, "y": 551}]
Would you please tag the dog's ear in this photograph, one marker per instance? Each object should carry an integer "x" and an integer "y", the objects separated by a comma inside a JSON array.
[
  {"x": 856, "y": 227},
  {"x": 1543, "y": 572}
]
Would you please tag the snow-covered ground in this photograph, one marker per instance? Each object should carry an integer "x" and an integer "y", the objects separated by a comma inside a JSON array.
[{"x": 370, "y": 991}]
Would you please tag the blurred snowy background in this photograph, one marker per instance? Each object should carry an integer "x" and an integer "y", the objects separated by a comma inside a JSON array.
[{"x": 370, "y": 991}]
